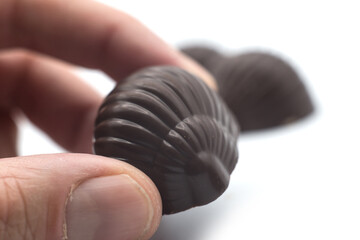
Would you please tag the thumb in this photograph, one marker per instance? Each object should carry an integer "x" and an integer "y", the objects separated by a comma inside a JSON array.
[{"x": 75, "y": 196}]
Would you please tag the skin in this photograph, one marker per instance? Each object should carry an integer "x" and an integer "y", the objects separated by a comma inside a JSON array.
[{"x": 40, "y": 42}]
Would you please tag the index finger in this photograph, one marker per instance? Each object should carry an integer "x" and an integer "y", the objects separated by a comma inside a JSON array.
[{"x": 89, "y": 34}]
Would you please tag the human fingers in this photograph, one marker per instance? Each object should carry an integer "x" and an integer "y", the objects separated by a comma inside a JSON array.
[
  {"x": 90, "y": 34},
  {"x": 75, "y": 196},
  {"x": 55, "y": 100}
]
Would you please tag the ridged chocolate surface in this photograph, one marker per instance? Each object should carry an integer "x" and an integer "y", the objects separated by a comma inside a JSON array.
[
  {"x": 170, "y": 125},
  {"x": 261, "y": 89}
]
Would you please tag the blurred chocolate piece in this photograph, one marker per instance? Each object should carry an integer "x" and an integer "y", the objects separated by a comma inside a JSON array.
[
  {"x": 206, "y": 56},
  {"x": 261, "y": 89},
  {"x": 174, "y": 128}
]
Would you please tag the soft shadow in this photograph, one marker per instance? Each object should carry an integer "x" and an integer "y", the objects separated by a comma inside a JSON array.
[{"x": 195, "y": 223}]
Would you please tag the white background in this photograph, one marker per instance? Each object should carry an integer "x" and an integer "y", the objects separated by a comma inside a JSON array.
[{"x": 297, "y": 182}]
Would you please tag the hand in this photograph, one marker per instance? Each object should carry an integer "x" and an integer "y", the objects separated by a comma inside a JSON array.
[{"x": 71, "y": 196}]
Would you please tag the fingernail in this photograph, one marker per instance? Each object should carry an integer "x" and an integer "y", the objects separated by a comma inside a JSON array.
[{"x": 108, "y": 208}]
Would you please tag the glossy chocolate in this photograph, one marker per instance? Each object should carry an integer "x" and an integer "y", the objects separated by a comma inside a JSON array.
[
  {"x": 261, "y": 89},
  {"x": 174, "y": 128}
]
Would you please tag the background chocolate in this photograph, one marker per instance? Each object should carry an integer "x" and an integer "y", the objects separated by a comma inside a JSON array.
[
  {"x": 261, "y": 89},
  {"x": 174, "y": 128},
  {"x": 207, "y": 57}
]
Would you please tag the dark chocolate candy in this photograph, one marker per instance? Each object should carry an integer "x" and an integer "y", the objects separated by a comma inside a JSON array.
[
  {"x": 261, "y": 89},
  {"x": 174, "y": 128},
  {"x": 207, "y": 57}
]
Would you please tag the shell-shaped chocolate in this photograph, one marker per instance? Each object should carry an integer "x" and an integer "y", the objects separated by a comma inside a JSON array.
[
  {"x": 170, "y": 125},
  {"x": 261, "y": 89}
]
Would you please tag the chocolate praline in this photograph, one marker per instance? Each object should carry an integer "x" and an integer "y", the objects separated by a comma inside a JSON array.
[
  {"x": 261, "y": 89},
  {"x": 173, "y": 127}
]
